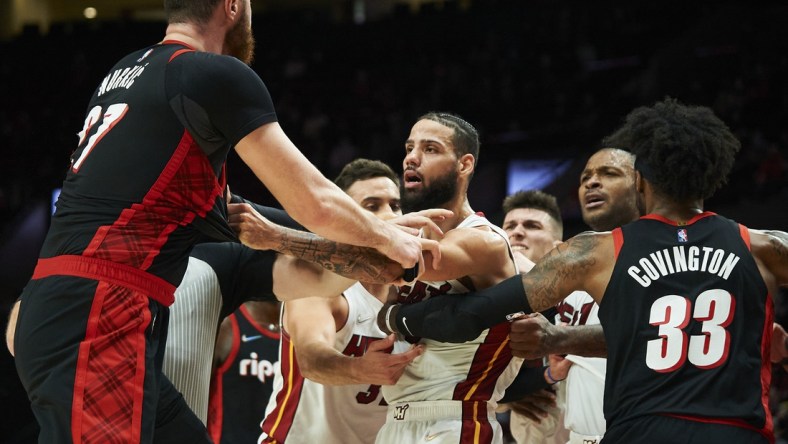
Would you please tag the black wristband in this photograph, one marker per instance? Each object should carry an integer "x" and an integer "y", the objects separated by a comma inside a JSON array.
[{"x": 460, "y": 318}]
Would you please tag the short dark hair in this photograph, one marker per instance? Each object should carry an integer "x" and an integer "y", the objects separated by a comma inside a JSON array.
[
  {"x": 363, "y": 169},
  {"x": 538, "y": 200},
  {"x": 685, "y": 152},
  {"x": 182, "y": 11},
  {"x": 465, "y": 138}
]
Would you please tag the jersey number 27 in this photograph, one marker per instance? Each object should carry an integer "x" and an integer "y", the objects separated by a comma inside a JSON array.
[{"x": 108, "y": 119}]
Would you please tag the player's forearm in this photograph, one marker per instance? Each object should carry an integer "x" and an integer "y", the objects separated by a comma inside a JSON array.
[
  {"x": 457, "y": 318},
  {"x": 353, "y": 262},
  {"x": 325, "y": 365},
  {"x": 581, "y": 340}
]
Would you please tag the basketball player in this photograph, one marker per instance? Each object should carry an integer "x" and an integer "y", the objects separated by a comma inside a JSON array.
[
  {"x": 147, "y": 177},
  {"x": 449, "y": 394},
  {"x": 532, "y": 220},
  {"x": 333, "y": 356},
  {"x": 684, "y": 294},
  {"x": 246, "y": 358}
]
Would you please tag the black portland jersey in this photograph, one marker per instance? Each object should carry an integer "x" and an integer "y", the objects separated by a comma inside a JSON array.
[
  {"x": 240, "y": 388},
  {"x": 688, "y": 321},
  {"x": 147, "y": 176}
]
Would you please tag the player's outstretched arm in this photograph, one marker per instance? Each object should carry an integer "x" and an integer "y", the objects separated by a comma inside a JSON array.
[
  {"x": 584, "y": 262},
  {"x": 319, "y": 204},
  {"x": 352, "y": 262},
  {"x": 312, "y": 325},
  {"x": 533, "y": 336}
]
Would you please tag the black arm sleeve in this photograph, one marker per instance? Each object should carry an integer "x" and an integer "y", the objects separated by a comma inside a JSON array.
[
  {"x": 528, "y": 380},
  {"x": 460, "y": 318}
]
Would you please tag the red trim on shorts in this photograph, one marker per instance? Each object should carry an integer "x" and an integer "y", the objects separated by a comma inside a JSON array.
[
  {"x": 618, "y": 240},
  {"x": 110, "y": 371},
  {"x": 268, "y": 333},
  {"x": 476, "y": 427},
  {"x": 745, "y": 235},
  {"x": 664, "y": 219},
  {"x": 135, "y": 279},
  {"x": 277, "y": 424}
]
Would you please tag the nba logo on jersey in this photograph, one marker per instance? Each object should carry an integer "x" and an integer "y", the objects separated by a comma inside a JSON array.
[
  {"x": 682, "y": 233},
  {"x": 147, "y": 53}
]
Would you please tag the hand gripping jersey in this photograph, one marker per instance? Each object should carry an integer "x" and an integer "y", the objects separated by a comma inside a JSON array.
[
  {"x": 584, "y": 387},
  {"x": 688, "y": 323},
  {"x": 475, "y": 373},
  {"x": 303, "y": 411},
  {"x": 241, "y": 387}
]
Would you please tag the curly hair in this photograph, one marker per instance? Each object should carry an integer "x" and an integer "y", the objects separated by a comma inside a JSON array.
[
  {"x": 537, "y": 200},
  {"x": 363, "y": 169},
  {"x": 685, "y": 152}
]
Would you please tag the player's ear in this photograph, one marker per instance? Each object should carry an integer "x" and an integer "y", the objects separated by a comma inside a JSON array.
[
  {"x": 231, "y": 8},
  {"x": 639, "y": 185},
  {"x": 467, "y": 164}
]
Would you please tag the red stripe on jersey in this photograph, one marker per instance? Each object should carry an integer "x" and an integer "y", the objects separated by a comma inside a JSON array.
[
  {"x": 112, "y": 358},
  {"x": 766, "y": 365},
  {"x": 745, "y": 235},
  {"x": 491, "y": 359},
  {"x": 730, "y": 422},
  {"x": 664, "y": 219},
  {"x": 476, "y": 427},
  {"x": 216, "y": 396},
  {"x": 187, "y": 188},
  {"x": 618, "y": 240},
  {"x": 178, "y": 52},
  {"x": 277, "y": 423}
]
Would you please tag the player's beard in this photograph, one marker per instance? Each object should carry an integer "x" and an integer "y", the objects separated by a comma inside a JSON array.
[
  {"x": 620, "y": 212},
  {"x": 440, "y": 191},
  {"x": 240, "y": 40}
]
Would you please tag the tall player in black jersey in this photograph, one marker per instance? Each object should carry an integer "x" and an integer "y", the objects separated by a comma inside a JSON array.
[
  {"x": 146, "y": 181},
  {"x": 684, "y": 294}
]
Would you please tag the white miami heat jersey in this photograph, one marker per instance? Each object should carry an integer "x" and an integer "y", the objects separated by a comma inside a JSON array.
[
  {"x": 585, "y": 383},
  {"x": 303, "y": 411},
  {"x": 477, "y": 370}
]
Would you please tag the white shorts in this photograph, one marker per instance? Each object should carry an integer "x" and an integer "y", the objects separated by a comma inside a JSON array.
[
  {"x": 576, "y": 438},
  {"x": 435, "y": 422}
]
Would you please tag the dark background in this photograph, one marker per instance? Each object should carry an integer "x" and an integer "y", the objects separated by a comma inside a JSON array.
[{"x": 541, "y": 80}]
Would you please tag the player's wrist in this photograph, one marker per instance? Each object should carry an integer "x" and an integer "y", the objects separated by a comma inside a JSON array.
[
  {"x": 386, "y": 318},
  {"x": 548, "y": 375}
]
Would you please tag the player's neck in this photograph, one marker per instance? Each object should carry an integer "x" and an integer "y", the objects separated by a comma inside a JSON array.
[
  {"x": 199, "y": 39},
  {"x": 679, "y": 212},
  {"x": 266, "y": 315},
  {"x": 461, "y": 209}
]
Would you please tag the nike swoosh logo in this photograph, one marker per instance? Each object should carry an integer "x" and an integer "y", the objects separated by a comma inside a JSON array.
[
  {"x": 434, "y": 435},
  {"x": 245, "y": 338},
  {"x": 361, "y": 318}
]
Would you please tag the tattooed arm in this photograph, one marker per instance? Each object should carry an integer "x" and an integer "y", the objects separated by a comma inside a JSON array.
[
  {"x": 349, "y": 261},
  {"x": 770, "y": 249},
  {"x": 585, "y": 262}
]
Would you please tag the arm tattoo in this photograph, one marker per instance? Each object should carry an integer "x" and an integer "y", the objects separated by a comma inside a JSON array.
[
  {"x": 357, "y": 263},
  {"x": 779, "y": 243},
  {"x": 546, "y": 284}
]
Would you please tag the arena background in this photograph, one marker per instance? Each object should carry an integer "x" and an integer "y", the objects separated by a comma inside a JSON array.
[{"x": 543, "y": 81}]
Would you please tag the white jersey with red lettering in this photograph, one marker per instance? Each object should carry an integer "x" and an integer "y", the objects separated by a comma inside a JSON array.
[
  {"x": 451, "y": 390},
  {"x": 303, "y": 411},
  {"x": 585, "y": 383}
]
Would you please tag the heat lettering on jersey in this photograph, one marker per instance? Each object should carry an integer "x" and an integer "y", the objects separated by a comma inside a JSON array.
[
  {"x": 120, "y": 78},
  {"x": 419, "y": 291},
  {"x": 262, "y": 369},
  {"x": 664, "y": 262}
]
